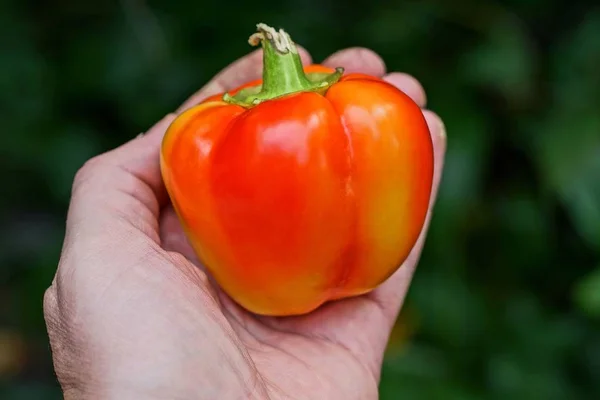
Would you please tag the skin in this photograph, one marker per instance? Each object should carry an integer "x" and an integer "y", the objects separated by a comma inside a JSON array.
[
  {"x": 131, "y": 313},
  {"x": 259, "y": 229}
]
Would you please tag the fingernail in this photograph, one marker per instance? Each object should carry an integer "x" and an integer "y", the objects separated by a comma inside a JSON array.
[
  {"x": 435, "y": 123},
  {"x": 442, "y": 129}
]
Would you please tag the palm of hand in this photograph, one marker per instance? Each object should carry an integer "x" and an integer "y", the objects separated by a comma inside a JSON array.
[
  {"x": 326, "y": 354},
  {"x": 132, "y": 313}
]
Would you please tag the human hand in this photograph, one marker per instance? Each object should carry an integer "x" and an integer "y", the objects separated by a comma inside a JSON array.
[{"x": 132, "y": 314}]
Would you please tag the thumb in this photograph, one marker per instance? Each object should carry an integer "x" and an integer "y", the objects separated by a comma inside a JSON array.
[{"x": 122, "y": 188}]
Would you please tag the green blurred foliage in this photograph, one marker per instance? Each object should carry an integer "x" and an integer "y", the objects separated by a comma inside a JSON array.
[{"x": 506, "y": 300}]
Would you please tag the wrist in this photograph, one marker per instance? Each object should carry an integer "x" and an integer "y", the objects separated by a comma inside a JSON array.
[{"x": 148, "y": 383}]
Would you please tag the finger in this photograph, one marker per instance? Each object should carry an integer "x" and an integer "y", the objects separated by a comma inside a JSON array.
[
  {"x": 239, "y": 72},
  {"x": 357, "y": 59},
  {"x": 409, "y": 85},
  {"x": 390, "y": 295}
]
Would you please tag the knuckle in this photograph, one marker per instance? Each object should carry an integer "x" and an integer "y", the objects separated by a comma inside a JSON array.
[
  {"x": 86, "y": 170},
  {"x": 90, "y": 170},
  {"x": 431, "y": 114},
  {"x": 434, "y": 121},
  {"x": 50, "y": 303},
  {"x": 409, "y": 85}
]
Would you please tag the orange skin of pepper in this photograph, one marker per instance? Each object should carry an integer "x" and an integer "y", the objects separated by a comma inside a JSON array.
[{"x": 305, "y": 198}]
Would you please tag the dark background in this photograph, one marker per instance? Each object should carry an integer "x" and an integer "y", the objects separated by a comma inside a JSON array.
[{"x": 506, "y": 301}]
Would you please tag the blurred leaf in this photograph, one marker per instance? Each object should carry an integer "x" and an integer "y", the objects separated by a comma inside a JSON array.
[
  {"x": 469, "y": 137},
  {"x": 521, "y": 225},
  {"x": 571, "y": 166},
  {"x": 403, "y": 330},
  {"x": 77, "y": 144},
  {"x": 12, "y": 353},
  {"x": 418, "y": 361},
  {"x": 31, "y": 391},
  {"x": 575, "y": 67},
  {"x": 512, "y": 378},
  {"x": 505, "y": 61},
  {"x": 569, "y": 137},
  {"x": 400, "y": 24},
  {"x": 450, "y": 311},
  {"x": 587, "y": 293}
]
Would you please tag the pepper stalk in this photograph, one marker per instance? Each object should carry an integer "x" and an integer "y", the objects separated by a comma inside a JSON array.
[{"x": 283, "y": 72}]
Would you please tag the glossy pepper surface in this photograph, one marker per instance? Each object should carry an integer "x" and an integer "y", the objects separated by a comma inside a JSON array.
[{"x": 303, "y": 187}]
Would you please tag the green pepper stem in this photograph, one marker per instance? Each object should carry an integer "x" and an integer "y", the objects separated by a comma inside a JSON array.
[{"x": 283, "y": 72}]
